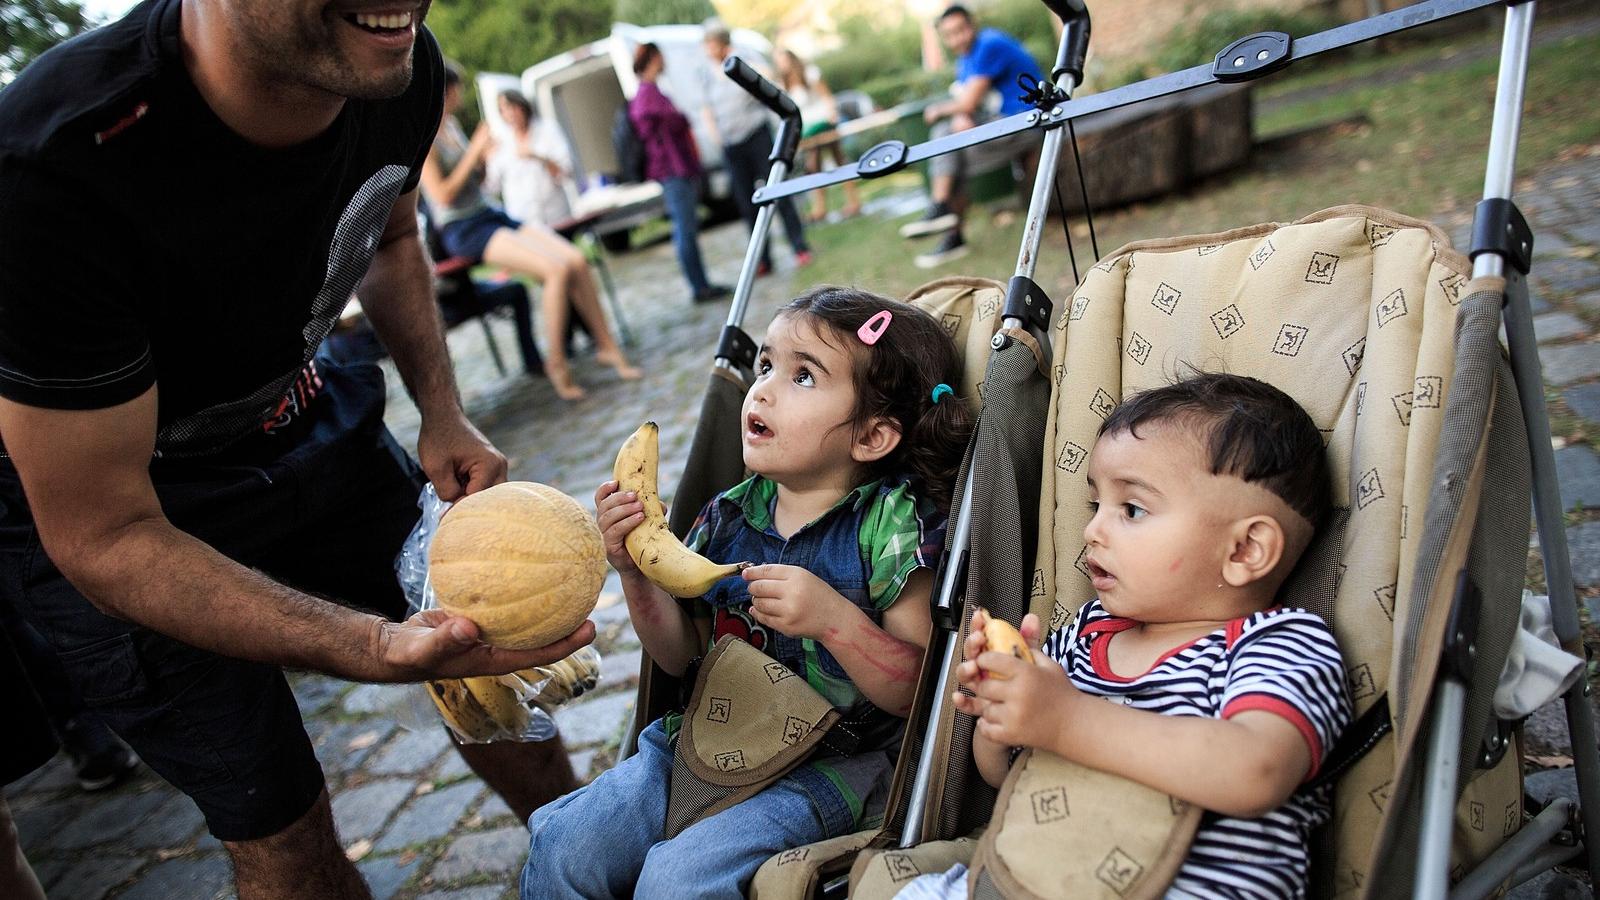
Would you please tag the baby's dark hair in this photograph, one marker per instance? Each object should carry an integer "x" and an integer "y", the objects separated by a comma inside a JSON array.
[
  {"x": 1250, "y": 430},
  {"x": 894, "y": 379}
]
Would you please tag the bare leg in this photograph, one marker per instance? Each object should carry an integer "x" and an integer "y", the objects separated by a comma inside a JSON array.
[
  {"x": 506, "y": 248},
  {"x": 526, "y": 776},
  {"x": 942, "y": 187},
  {"x": 303, "y": 860},
  {"x": 852, "y": 190},
  {"x": 819, "y": 197},
  {"x": 583, "y": 291},
  {"x": 16, "y": 876}
]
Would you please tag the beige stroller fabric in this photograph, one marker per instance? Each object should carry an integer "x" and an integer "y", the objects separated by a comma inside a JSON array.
[
  {"x": 1352, "y": 311},
  {"x": 1127, "y": 841}
]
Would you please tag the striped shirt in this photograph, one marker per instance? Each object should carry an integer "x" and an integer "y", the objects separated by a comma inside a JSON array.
[{"x": 1282, "y": 661}]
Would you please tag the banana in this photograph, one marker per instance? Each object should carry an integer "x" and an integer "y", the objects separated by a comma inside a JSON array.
[
  {"x": 659, "y": 554},
  {"x": 461, "y": 710},
  {"x": 500, "y": 702},
  {"x": 1003, "y": 638}
]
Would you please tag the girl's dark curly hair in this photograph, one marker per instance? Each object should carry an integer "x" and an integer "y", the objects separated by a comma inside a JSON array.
[{"x": 895, "y": 378}]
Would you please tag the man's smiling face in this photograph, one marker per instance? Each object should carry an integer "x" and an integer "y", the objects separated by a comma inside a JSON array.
[{"x": 360, "y": 49}]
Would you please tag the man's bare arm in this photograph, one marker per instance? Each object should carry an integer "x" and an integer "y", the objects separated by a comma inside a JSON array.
[
  {"x": 397, "y": 296},
  {"x": 86, "y": 474}
]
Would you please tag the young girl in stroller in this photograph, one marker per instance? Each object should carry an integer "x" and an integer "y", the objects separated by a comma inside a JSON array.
[{"x": 854, "y": 436}]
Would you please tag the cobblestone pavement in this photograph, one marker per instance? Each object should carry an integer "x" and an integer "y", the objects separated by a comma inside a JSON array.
[{"x": 418, "y": 823}]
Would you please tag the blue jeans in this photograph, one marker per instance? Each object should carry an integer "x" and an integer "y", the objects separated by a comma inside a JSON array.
[
  {"x": 606, "y": 841},
  {"x": 682, "y": 196}
]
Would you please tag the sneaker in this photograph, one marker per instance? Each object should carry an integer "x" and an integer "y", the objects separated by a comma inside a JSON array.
[
  {"x": 99, "y": 758},
  {"x": 953, "y": 246},
  {"x": 938, "y": 218},
  {"x": 803, "y": 258},
  {"x": 714, "y": 293},
  {"x": 763, "y": 269}
]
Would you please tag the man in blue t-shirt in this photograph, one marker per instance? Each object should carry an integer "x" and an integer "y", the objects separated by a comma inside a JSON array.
[{"x": 987, "y": 65}]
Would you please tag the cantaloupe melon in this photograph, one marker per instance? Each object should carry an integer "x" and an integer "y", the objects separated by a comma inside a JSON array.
[{"x": 522, "y": 560}]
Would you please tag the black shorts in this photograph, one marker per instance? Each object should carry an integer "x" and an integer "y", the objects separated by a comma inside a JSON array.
[{"x": 324, "y": 510}]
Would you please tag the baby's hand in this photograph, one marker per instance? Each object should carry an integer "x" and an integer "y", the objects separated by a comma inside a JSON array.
[
  {"x": 618, "y": 513},
  {"x": 1025, "y": 707},
  {"x": 968, "y": 673}
]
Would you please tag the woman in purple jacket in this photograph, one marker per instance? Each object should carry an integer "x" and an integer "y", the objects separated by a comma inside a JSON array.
[{"x": 671, "y": 158}]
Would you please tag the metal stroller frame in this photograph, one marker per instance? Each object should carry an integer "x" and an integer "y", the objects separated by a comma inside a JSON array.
[{"x": 1501, "y": 246}]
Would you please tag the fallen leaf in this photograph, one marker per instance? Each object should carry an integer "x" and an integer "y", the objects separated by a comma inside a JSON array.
[
  {"x": 407, "y": 857},
  {"x": 362, "y": 741},
  {"x": 169, "y": 853},
  {"x": 1551, "y": 762},
  {"x": 424, "y": 788},
  {"x": 357, "y": 850}
]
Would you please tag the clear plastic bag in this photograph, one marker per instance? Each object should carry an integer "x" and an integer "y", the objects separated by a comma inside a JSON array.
[{"x": 513, "y": 707}]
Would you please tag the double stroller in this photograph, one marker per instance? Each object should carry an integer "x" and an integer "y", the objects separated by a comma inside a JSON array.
[{"x": 1437, "y": 439}]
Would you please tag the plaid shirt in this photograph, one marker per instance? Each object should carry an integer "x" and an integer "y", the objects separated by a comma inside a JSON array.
[{"x": 865, "y": 547}]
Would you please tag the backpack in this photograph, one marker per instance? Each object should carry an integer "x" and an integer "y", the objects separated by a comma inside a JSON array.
[{"x": 630, "y": 150}]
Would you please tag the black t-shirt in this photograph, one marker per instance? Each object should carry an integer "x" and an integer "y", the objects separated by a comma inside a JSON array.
[{"x": 144, "y": 242}]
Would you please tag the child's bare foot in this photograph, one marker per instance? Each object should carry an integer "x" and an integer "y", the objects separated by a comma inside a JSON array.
[{"x": 851, "y": 210}]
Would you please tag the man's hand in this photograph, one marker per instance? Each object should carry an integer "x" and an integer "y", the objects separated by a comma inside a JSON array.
[
  {"x": 961, "y": 122},
  {"x": 1029, "y": 705},
  {"x": 794, "y": 601},
  {"x": 457, "y": 458},
  {"x": 438, "y": 644}
]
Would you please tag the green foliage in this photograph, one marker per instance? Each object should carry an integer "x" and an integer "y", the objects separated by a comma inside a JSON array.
[
  {"x": 886, "y": 62},
  {"x": 511, "y": 35},
  {"x": 1193, "y": 43},
  {"x": 30, "y": 27},
  {"x": 664, "y": 12}
]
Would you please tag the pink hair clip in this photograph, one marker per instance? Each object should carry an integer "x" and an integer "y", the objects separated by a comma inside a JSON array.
[{"x": 874, "y": 327}]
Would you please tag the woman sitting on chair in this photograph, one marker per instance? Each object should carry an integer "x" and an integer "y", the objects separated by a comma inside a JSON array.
[{"x": 452, "y": 179}]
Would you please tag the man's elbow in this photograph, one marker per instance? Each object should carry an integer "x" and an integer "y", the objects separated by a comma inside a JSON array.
[{"x": 96, "y": 562}]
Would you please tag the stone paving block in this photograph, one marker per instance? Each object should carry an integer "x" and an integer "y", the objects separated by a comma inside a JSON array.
[
  {"x": 409, "y": 751},
  {"x": 105, "y": 822},
  {"x": 595, "y": 721},
  {"x": 494, "y": 809},
  {"x": 1583, "y": 547},
  {"x": 498, "y": 852},
  {"x": 1567, "y": 363},
  {"x": 1578, "y": 471},
  {"x": 452, "y": 768},
  {"x": 1586, "y": 232},
  {"x": 1565, "y": 277},
  {"x": 172, "y": 825},
  {"x": 360, "y": 812},
  {"x": 347, "y": 745},
  {"x": 314, "y": 693},
  {"x": 368, "y": 699},
  {"x": 620, "y": 667},
  {"x": 94, "y": 877},
  {"x": 37, "y": 825},
  {"x": 429, "y": 817},
  {"x": 1549, "y": 243},
  {"x": 386, "y": 874},
  {"x": 582, "y": 762},
  {"x": 198, "y": 877},
  {"x": 611, "y": 613},
  {"x": 1558, "y": 326},
  {"x": 56, "y": 775},
  {"x": 1584, "y": 400},
  {"x": 1590, "y": 301},
  {"x": 1551, "y": 885},
  {"x": 481, "y": 892}
]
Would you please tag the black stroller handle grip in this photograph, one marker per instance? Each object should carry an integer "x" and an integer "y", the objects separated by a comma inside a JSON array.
[
  {"x": 1067, "y": 10},
  {"x": 760, "y": 88},
  {"x": 1074, "y": 48}
]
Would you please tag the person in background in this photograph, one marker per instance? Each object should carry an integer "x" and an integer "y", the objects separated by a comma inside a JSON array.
[
  {"x": 818, "y": 113},
  {"x": 742, "y": 126},
  {"x": 529, "y": 169},
  {"x": 670, "y": 157},
  {"x": 452, "y": 180},
  {"x": 988, "y": 63}
]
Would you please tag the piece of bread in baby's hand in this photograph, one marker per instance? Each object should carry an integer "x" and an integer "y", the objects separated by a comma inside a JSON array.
[{"x": 1003, "y": 638}]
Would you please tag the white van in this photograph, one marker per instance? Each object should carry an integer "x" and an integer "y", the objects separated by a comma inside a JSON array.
[{"x": 582, "y": 89}]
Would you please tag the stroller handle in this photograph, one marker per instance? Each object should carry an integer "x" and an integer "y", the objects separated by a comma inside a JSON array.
[
  {"x": 1074, "y": 48},
  {"x": 760, "y": 88}
]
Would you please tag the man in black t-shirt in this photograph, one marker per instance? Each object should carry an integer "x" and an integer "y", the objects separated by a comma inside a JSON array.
[{"x": 188, "y": 197}]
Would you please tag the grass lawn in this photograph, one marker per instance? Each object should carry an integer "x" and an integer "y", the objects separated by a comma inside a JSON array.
[{"x": 1415, "y": 145}]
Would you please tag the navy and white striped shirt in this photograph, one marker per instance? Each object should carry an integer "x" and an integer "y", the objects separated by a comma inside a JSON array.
[{"x": 1282, "y": 661}]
